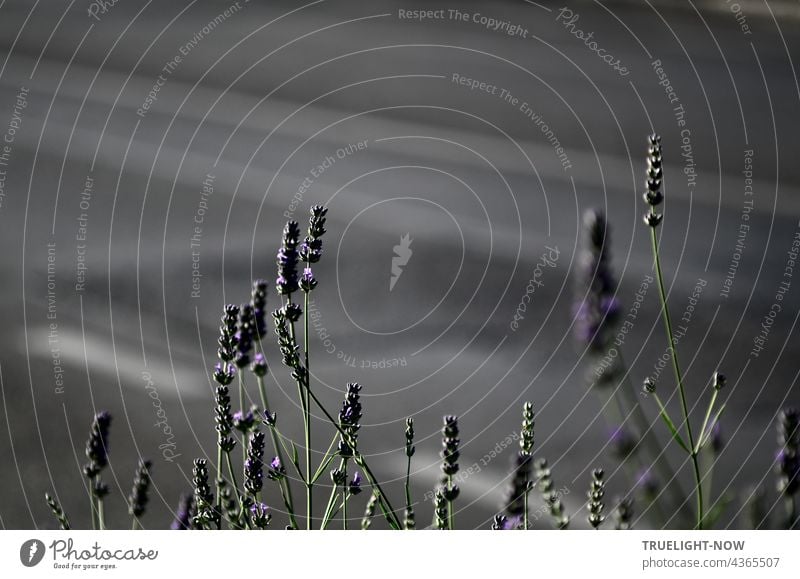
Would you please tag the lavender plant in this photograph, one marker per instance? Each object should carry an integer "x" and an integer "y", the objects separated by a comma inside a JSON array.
[
  {"x": 242, "y": 337},
  {"x": 521, "y": 480},
  {"x": 549, "y": 494},
  {"x": 597, "y": 491},
  {"x": 450, "y": 454},
  {"x": 97, "y": 453},
  {"x": 409, "y": 519},
  {"x": 137, "y": 500},
  {"x": 691, "y": 445},
  {"x": 596, "y": 322}
]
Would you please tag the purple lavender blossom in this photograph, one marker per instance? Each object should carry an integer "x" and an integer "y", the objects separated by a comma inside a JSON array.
[
  {"x": 349, "y": 419},
  {"x": 258, "y": 300},
  {"x": 253, "y": 465},
  {"x": 622, "y": 442},
  {"x": 512, "y": 523},
  {"x": 270, "y": 418},
  {"x": 228, "y": 339},
  {"x": 224, "y": 373},
  {"x": 260, "y": 515},
  {"x": 137, "y": 500},
  {"x": 97, "y": 444},
  {"x": 183, "y": 516},
  {"x": 245, "y": 335},
  {"x": 276, "y": 469},
  {"x": 311, "y": 249},
  {"x": 308, "y": 282},
  {"x": 597, "y": 309},
  {"x": 259, "y": 365},
  {"x": 287, "y": 260},
  {"x": 355, "y": 484},
  {"x": 243, "y": 421}
]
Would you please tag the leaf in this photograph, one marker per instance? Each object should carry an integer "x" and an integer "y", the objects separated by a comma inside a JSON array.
[{"x": 668, "y": 421}]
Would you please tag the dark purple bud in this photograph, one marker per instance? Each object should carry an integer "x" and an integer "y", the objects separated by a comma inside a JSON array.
[
  {"x": 224, "y": 373},
  {"x": 355, "y": 484},
  {"x": 623, "y": 442},
  {"x": 259, "y": 365},
  {"x": 308, "y": 282}
]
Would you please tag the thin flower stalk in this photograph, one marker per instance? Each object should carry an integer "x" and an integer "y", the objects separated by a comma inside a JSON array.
[
  {"x": 450, "y": 455},
  {"x": 409, "y": 518},
  {"x": 653, "y": 198}
]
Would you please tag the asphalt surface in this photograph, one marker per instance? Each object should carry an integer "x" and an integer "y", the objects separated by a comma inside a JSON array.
[{"x": 150, "y": 143}]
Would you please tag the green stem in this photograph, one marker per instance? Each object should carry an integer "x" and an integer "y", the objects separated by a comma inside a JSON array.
[
  {"x": 709, "y": 410},
  {"x": 525, "y": 512},
  {"x": 616, "y": 414},
  {"x": 92, "y": 503},
  {"x": 450, "y": 514},
  {"x": 326, "y": 461},
  {"x": 660, "y": 461},
  {"x": 386, "y": 507},
  {"x": 408, "y": 484},
  {"x": 307, "y": 423},
  {"x": 344, "y": 497},
  {"x": 240, "y": 374},
  {"x": 100, "y": 519},
  {"x": 219, "y": 476},
  {"x": 233, "y": 478},
  {"x": 329, "y": 509},
  {"x": 306, "y": 430},
  {"x": 286, "y": 489},
  {"x": 678, "y": 377}
]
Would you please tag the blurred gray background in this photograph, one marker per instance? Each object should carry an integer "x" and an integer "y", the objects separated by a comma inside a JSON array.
[{"x": 115, "y": 118}]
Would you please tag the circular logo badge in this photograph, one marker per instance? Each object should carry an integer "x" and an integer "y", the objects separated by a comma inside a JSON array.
[{"x": 32, "y": 552}]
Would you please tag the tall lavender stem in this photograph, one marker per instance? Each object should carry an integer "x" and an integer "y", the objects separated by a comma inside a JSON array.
[{"x": 654, "y": 197}]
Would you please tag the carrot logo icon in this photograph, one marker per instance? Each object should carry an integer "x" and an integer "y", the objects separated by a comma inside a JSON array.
[
  {"x": 31, "y": 553},
  {"x": 402, "y": 253}
]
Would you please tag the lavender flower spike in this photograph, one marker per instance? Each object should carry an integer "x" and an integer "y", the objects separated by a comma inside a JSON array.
[
  {"x": 137, "y": 501},
  {"x": 258, "y": 300},
  {"x": 253, "y": 465},
  {"x": 97, "y": 453},
  {"x": 245, "y": 335},
  {"x": 287, "y": 260},
  {"x": 597, "y": 309},
  {"x": 311, "y": 249},
  {"x": 184, "y": 514},
  {"x": 350, "y": 420},
  {"x": 596, "y": 493},
  {"x": 260, "y": 516},
  {"x": 653, "y": 195}
]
